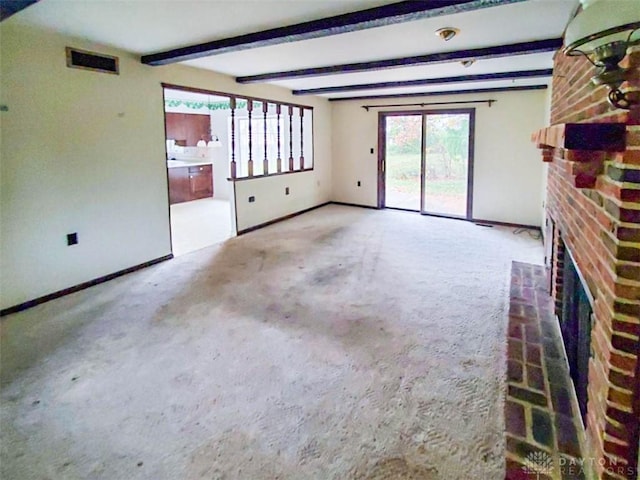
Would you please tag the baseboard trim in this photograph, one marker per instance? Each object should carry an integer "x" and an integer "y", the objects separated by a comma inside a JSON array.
[
  {"x": 472, "y": 220},
  {"x": 280, "y": 219},
  {"x": 398, "y": 209},
  {"x": 505, "y": 224},
  {"x": 345, "y": 204},
  {"x": 61, "y": 293}
]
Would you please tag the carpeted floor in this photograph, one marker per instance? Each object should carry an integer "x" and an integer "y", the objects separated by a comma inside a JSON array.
[{"x": 342, "y": 344}]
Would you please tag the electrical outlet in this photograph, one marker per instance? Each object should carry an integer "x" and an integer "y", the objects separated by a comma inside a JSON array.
[
  {"x": 359, "y": 183},
  {"x": 286, "y": 190},
  {"x": 372, "y": 151},
  {"x": 72, "y": 239},
  {"x": 252, "y": 199}
]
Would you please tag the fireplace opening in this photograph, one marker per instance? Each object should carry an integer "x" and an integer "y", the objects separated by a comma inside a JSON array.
[{"x": 576, "y": 322}]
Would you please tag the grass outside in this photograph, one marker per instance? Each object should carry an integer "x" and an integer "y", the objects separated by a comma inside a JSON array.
[{"x": 403, "y": 176}]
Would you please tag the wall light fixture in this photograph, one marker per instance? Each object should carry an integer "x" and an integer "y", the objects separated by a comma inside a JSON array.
[
  {"x": 603, "y": 32},
  {"x": 214, "y": 142}
]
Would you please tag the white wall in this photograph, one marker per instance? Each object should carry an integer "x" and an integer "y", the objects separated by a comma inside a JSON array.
[
  {"x": 545, "y": 166},
  {"x": 220, "y": 155},
  {"x": 302, "y": 195},
  {"x": 84, "y": 152},
  {"x": 507, "y": 165}
]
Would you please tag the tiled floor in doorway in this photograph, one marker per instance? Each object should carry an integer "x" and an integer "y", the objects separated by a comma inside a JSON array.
[
  {"x": 542, "y": 423},
  {"x": 199, "y": 224}
]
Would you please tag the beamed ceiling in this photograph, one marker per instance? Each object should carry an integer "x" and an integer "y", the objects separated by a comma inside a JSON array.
[{"x": 336, "y": 49}]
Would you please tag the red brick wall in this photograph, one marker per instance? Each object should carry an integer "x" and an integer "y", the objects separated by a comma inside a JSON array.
[{"x": 601, "y": 227}]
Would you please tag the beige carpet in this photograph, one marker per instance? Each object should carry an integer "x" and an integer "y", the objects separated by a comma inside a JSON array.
[{"x": 342, "y": 344}]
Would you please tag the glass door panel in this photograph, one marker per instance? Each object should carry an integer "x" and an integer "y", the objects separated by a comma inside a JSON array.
[
  {"x": 446, "y": 177},
  {"x": 403, "y": 161}
]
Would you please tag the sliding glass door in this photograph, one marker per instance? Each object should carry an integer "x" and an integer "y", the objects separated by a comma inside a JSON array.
[
  {"x": 446, "y": 178},
  {"x": 403, "y": 166},
  {"x": 427, "y": 162}
]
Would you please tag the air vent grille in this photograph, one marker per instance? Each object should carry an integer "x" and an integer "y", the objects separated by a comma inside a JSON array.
[{"x": 92, "y": 61}]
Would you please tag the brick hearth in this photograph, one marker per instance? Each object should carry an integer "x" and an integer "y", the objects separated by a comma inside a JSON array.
[{"x": 541, "y": 424}]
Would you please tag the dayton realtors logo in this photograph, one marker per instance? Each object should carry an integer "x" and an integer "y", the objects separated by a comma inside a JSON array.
[{"x": 538, "y": 463}]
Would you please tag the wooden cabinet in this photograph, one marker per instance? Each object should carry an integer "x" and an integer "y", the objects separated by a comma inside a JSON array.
[
  {"x": 179, "y": 188},
  {"x": 190, "y": 183},
  {"x": 201, "y": 181},
  {"x": 173, "y": 125},
  {"x": 186, "y": 128}
]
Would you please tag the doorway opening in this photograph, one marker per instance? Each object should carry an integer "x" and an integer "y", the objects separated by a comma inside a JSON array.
[
  {"x": 426, "y": 162},
  {"x": 201, "y": 209}
]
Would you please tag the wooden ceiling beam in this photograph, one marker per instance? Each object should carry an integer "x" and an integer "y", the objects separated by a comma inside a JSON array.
[
  {"x": 522, "y": 48},
  {"x": 384, "y": 15},
  {"x": 517, "y": 88},
  {"x": 428, "y": 81},
  {"x": 8, "y": 8}
]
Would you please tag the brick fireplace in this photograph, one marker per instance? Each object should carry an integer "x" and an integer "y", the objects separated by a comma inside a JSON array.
[
  {"x": 575, "y": 314},
  {"x": 593, "y": 219}
]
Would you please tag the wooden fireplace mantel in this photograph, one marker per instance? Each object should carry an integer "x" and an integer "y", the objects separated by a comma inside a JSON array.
[
  {"x": 583, "y": 145},
  {"x": 607, "y": 137}
]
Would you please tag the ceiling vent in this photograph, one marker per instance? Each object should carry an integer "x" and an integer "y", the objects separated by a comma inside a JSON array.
[{"x": 92, "y": 61}]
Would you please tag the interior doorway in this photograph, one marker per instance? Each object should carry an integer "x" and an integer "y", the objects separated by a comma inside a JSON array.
[
  {"x": 201, "y": 209},
  {"x": 426, "y": 162}
]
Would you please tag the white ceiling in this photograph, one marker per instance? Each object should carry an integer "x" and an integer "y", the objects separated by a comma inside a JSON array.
[
  {"x": 519, "y": 82},
  {"x": 151, "y": 26},
  {"x": 146, "y": 26},
  {"x": 519, "y": 22},
  {"x": 454, "y": 69}
]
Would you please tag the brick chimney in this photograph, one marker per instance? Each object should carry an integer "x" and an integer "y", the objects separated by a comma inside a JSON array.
[{"x": 593, "y": 210}]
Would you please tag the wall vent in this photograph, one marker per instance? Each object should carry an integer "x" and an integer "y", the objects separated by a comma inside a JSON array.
[{"x": 92, "y": 61}]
